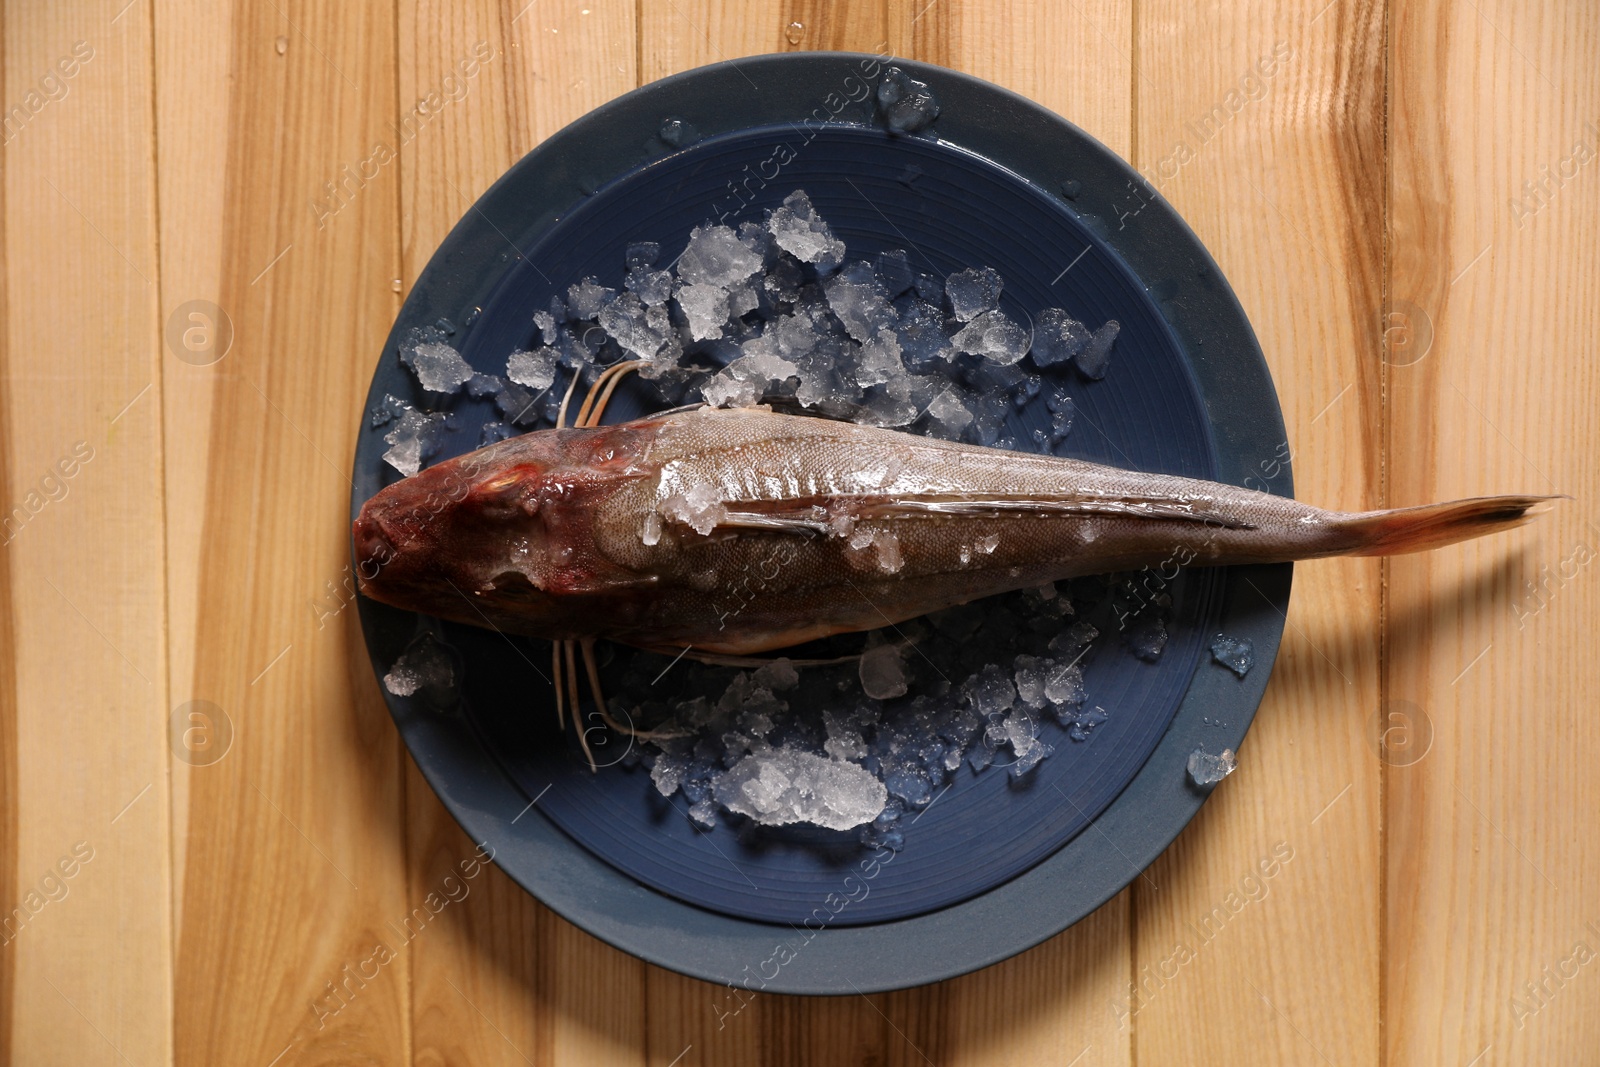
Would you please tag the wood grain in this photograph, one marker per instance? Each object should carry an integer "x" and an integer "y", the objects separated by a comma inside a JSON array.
[
  {"x": 503, "y": 980},
  {"x": 193, "y": 121},
  {"x": 9, "y": 792},
  {"x": 1265, "y": 130},
  {"x": 1408, "y": 207},
  {"x": 84, "y": 551},
  {"x": 294, "y": 863},
  {"x": 689, "y": 1016},
  {"x": 1491, "y": 858}
]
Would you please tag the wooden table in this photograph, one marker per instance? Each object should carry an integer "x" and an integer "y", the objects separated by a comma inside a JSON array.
[{"x": 1406, "y": 199}]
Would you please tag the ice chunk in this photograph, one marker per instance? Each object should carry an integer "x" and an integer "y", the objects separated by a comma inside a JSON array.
[
  {"x": 989, "y": 411},
  {"x": 536, "y": 369},
  {"x": 644, "y": 332},
  {"x": 777, "y": 675},
  {"x": 1030, "y": 758},
  {"x": 894, "y": 271},
  {"x": 1238, "y": 654},
  {"x": 1019, "y": 731},
  {"x": 906, "y": 104},
  {"x": 1206, "y": 769},
  {"x": 784, "y": 280},
  {"x": 1062, "y": 412},
  {"x": 426, "y": 667},
  {"x": 1062, "y": 684},
  {"x": 994, "y": 336},
  {"x": 414, "y": 436},
  {"x": 1081, "y": 722},
  {"x": 671, "y": 766},
  {"x": 585, "y": 299},
  {"x": 1029, "y": 675},
  {"x": 1097, "y": 352},
  {"x": 973, "y": 291},
  {"x": 861, "y": 302},
  {"x": 484, "y": 386},
  {"x": 699, "y": 507},
  {"x": 883, "y": 672},
  {"x": 883, "y": 407},
  {"x": 493, "y": 432},
  {"x": 546, "y": 323},
  {"x": 910, "y": 782},
  {"x": 381, "y": 415},
  {"x": 1077, "y": 638},
  {"x": 920, "y": 331},
  {"x": 640, "y": 255},
  {"x": 653, "y": 287},
  {"x": 650, "y": 533},
  {"x": 742, "y": 299},
  {"x": 437, "y": 366},
  {"x": 730, "y": 389},
  {"x": 801, "y": 232},
  {"x": 746, "y": 380},
  {"x": 1148, "y": 639},
  {"x": 949, "y": 415},
  {"x": 517, "y": 405},
  {"x": 844, "y": 737},
  {"x": 991, "y": 692},
  {"x": 706, "y": 308},
  {"x": 1057, "y": 337},
  {"x": 715, "y": 257},
  {"x": 703, "y": 813},
  {"x": 881, "y": 834},
  {"x": 789, "y": 784}
]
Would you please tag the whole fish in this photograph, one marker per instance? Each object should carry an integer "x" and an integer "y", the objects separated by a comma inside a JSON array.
[{"x": 745, "y": 530}]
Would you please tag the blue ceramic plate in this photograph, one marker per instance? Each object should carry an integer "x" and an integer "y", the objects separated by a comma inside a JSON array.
[{"x": 990, "y": 868}]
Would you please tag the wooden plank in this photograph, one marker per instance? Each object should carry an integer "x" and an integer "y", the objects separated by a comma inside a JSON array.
[
  {"x": 83, "y": 541},
  {"x": 1258, "y": 938},
  {"x": 689, "y": 1017},
  {"x": 1494, "y": 234},
  {"x": 1074, "y": 58},
  {"x": 9, "y": 770},
  {"x": 294, "y": 867},
  {"x": 683, "y": 34},
  {"x": 503, "y": 980},
  {"x": 193, "y": 117},
  {"x": 1029, "y": 1009},
  {"x": 1053, "y": 1003}
]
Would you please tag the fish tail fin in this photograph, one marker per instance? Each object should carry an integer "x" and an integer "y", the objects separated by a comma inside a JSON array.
[{"x": 1401, "y": 530}]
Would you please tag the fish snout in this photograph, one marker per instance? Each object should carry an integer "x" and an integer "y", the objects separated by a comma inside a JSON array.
[{"x": 374, "y": 549}]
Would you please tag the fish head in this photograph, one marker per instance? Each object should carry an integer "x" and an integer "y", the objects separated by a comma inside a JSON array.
[{"x": 499, "y": 537}]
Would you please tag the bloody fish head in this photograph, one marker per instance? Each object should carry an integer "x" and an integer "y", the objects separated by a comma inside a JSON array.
[
  {"x": 444, "y": 540},
  {"x": 499, "y": 537}
]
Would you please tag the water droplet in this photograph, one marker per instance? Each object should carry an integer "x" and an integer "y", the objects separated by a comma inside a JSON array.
[
  {"x": 395, "y": 285},
  {"x": 678, "y": 133},
  {"x": 282, "y": 45},
  {"x": 795, "y": 32},
  {"x": 471, "y": 316}
]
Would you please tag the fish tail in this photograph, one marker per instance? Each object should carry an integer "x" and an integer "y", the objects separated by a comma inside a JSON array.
[{"x": 1401, "y": 530}]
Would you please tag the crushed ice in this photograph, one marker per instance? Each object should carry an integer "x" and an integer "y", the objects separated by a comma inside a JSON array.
[
  {"x": 1238, "y": 654},
  {"x": 777, "y": 310},
  {"x": 426, "y": 668},
  {"x": 1208, "y": 769}
]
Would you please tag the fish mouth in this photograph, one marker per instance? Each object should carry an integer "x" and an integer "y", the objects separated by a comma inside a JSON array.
[{"x": 373, "y": 545}]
